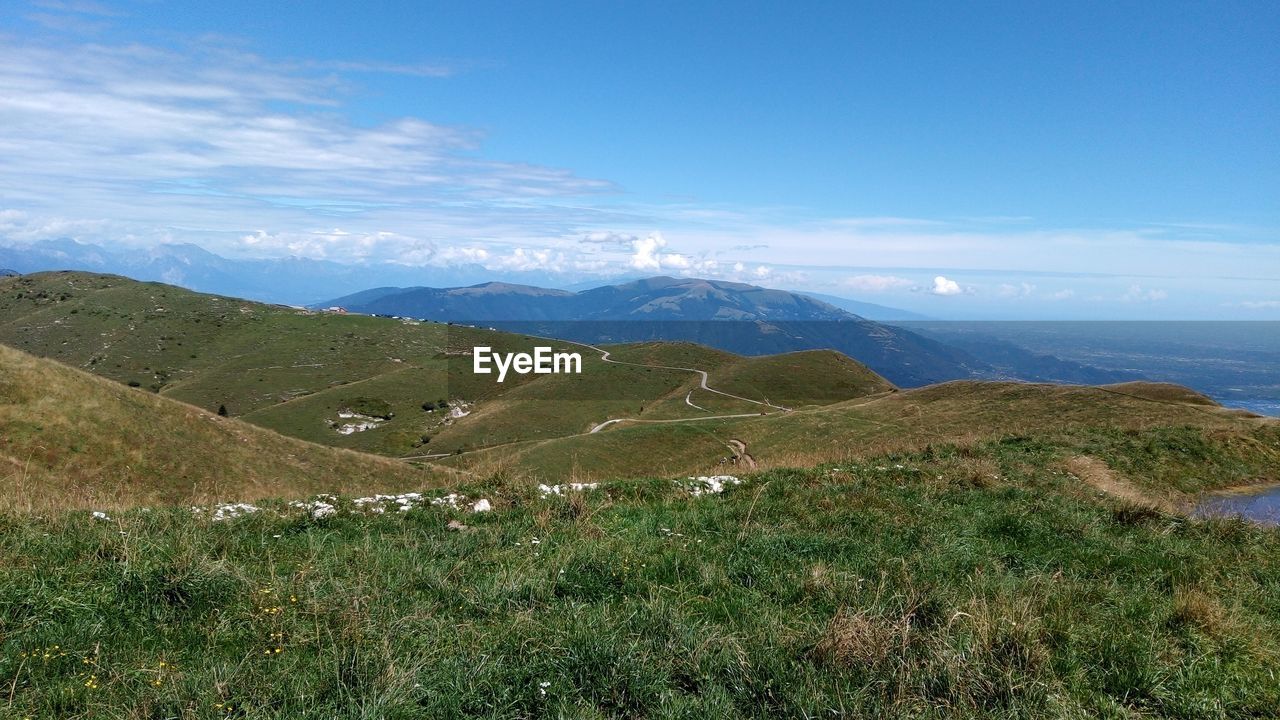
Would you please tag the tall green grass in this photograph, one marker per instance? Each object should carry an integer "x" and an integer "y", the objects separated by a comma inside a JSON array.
[{"x": 974, "y": 582}]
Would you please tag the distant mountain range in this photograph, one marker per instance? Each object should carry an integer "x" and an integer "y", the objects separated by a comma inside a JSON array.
[
  {"x": 298, "y": 281},
  {"x": 736, "y": 317},
  {"x": 290, "y": 281},
  {"x": 651, "y": 299},
  {"x": 747, "y": 319}
]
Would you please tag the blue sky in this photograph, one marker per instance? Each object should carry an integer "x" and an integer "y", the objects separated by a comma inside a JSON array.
[{"x": 962, "y": 160}]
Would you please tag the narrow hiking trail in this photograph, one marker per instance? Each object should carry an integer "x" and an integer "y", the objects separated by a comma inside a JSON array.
[
  {"x": 604, "y": 356},
  {"x": 688, "y": 401},
  {"x": 703, "y": 377}
]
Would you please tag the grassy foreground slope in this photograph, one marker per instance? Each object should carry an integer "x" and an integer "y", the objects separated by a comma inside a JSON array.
[
  {"x": 975, "y": 581},
  {"x": 70, "y": 439}
]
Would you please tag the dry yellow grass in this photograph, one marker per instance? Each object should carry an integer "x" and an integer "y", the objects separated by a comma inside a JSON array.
[{"x": 71, "y": 439}]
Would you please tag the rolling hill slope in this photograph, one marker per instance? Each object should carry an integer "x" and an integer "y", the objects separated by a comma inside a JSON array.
[
  {"x": 406, "y": 389},
  {"x": 376, "y": 384},
  {"x": 70, "y": 439},
  {"x": 963, "y": 413}
]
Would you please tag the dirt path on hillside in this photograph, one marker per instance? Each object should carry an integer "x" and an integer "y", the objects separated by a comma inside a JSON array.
[
  {"x": 688, "y": 400},
  {"x": 614, "y": 421},
  {"x": 1101, "y": 477},
  {"x": 738, "y": 447},
  {"x": 604, "y": 356}
]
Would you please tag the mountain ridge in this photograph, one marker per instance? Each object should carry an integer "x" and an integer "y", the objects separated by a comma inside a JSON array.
[{"x": 732, "y": 316}]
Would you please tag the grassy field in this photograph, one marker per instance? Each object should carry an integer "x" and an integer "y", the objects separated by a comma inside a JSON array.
[
  {"x": 966, "y": 550},
  {"x": 298, "y": 372},
  {"x": 69, "y": 439},
  {"x": 979, "y": 580},
  {"x": 904, "y": 421}
]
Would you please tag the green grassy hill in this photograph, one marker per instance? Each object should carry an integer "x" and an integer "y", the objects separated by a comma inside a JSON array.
[
  {"x": 69, "y": 439},
  {"x": 959, "y": 412},
  {"x": 962, "y": 581},
  {"x": 969, "y": 550},
  {"x": 406, "y": 389},
  {"x": 299, "y": 372}
]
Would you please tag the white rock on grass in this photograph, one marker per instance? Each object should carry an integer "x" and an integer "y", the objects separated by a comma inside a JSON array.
[
  {"x": 349, "y": 428},
  {"x": 452, "y": 500},
  {"x": 712, "y": 484},
  {"x": 326, "y": 505},
  {"x": 405, "y": 502},
  {"x": 549, "y": 490},
  {"x": 99, "y": 515},
  {"x": 229, "y": 511},
  {"x": 318, "y": 509}
]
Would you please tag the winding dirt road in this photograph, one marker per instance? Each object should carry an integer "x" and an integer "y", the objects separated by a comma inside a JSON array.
[{"x": 604, "y": 355}]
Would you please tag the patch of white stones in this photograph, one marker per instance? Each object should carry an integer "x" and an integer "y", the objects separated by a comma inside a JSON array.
[
  {"x": 224, "y": 511},
  {"x": 547, "y": 491},
  {"x": 321, "y": 507},
  {"x": 405, "y": 502},
  {"x": 364, "y": 422},
  {"x": 325, "y": 505},
  {"x": 709, "y": 484}
]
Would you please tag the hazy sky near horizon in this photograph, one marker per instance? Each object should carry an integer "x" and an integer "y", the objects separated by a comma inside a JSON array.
[{"x": 1057, "y": 160}]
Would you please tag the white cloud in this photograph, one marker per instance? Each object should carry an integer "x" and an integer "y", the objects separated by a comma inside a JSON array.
[
  {"x": 24, "y": 227},
  {"x": 462, "y": 254},
  {"x": 523, "y": 260},
  {"x": 943, "y": 286},
  {"x": 1137, "y": 293},
  {"x": 646, "y": 255},
  {"x": 1020, "y": 290},
  {"x": 645, "y": 252},
  {"x": 609, "y": 239},
  {"x": 340, "y": 245},
  {"x": 1063, "y": 294},
  {"x": 213, "y": 135},
  {"x": 877, "y": 283},
  {"x": 676, "y": 261},
  {"x": 1260, "y": 304}
]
